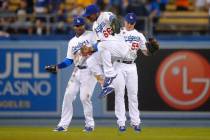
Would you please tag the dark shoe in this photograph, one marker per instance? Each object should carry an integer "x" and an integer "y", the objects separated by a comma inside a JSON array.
[
  {"x": 60, "y": 129},
  {"x": 122, "y": 128},
  {"x": 88, "y": 129},
  {"x": 108, "y": 81},
  {"x": 105, "y": 91},
  {"x": 136, "y": 128}
]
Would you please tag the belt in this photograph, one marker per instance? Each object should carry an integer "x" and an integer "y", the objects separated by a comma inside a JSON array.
[
  {"x": 126, "y": 62},
  {"x": 82, "y": 67}
]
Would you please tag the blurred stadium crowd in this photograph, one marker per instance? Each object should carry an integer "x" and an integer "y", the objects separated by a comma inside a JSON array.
[{"x": 44, "y": 17}]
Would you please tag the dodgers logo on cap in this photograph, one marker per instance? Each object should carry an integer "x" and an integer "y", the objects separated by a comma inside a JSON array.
[
  {"x": 130, "y": 18},
  {"x": 78, "y": 21}
]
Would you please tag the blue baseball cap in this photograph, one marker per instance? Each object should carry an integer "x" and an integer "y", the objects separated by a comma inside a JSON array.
[
  {"x": 130, "y": 18},
  {"x": 91, "y": 9},
  {"x": 78, "y": 21}
]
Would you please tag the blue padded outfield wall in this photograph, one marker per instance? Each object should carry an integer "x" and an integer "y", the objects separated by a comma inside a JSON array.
[{"x": 26, "y": 90}]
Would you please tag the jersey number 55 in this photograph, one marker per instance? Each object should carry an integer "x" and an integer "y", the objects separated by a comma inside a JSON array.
[{"x": 135, "y": 46}]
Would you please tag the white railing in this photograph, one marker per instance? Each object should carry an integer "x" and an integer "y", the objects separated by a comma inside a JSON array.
[{"x": 49, "y": 22}]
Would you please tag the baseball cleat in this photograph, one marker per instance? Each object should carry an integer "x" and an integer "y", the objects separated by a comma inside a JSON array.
[
  {"x": 122, "y": 128},
  {"x": 88, "y": 129},
  {"x": 105, "y": 91},
  {"x": 60, "y": 129},
  {"x": 108, "y": 81},
  {"x": 136, "y": 128}
]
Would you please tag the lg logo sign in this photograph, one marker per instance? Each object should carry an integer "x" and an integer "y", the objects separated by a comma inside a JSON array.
[{"x": 183, "y": 80}]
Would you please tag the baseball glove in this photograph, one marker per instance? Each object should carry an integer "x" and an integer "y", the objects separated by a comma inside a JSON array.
[
  {"x": 86, "y": 51},
  {"x": 152, "y": 46},
  {"x": 51, "y": 68},
  {"x": 115, "y": 25}
]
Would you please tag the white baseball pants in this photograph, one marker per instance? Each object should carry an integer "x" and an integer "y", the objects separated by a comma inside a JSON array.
[
  {"x": 84, "y": 82},
  {"x": 127, "y": 76},
  {"x": 107, "y": 52}
]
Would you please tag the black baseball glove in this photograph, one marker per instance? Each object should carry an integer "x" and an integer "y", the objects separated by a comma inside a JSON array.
[
  {"x": 152, "y": 46},
  {"x": 115, "y": 25},
  {"x": 51, "y": 68}
]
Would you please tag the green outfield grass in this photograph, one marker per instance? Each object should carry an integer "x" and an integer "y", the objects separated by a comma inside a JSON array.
[{"x": 104, "y": 133}]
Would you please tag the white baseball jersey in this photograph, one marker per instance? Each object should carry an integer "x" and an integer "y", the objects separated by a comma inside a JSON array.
[
  {"x": 127, "y": 76},
  {"x": 102, "y": 27},
  {"x": 75, "y": 44},
  {"x": 81, "y": 81},
  {"x": 136, "y": 41},
  {"x": 110, "y": 46}
]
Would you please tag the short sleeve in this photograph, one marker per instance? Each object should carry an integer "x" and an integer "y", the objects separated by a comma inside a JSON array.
[
  {"x": 143, "y": 42},
  {"x": 109, "y": 16},
  {"x": 69, "y": 51}
]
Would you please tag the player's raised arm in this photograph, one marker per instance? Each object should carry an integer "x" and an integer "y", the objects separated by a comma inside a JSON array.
[{"x": 115, "y": 24}]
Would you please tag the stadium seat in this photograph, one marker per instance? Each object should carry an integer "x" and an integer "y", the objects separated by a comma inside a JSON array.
[{"x": 183, "y": 22}]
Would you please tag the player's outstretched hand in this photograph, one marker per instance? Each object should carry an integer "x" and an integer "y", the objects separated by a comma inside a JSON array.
[
  {"x": 152, "y": 46},
  {"x": 51, "y": 68}
]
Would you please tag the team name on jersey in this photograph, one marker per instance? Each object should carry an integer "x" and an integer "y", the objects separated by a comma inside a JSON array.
[
  {"x": 100, "y": 27},
  {"x": 79, "y": 45},
  {"x": 131, "y": 38}
]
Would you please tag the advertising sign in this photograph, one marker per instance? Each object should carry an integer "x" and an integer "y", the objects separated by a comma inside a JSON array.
[
  {"x": 25, "y": 87},
  {"x": 173, "y": 80}
]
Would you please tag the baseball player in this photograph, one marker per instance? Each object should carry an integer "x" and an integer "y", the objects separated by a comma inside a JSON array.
[
  {"x": 111, "y": 44},
  {"x": 127, "y": 74},
  {"x": 81, "y": 79}
]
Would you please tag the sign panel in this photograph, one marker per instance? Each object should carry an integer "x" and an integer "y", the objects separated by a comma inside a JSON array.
[
  {"x": 25, "y": 87},
  {"x": 173, "y": 80}
]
